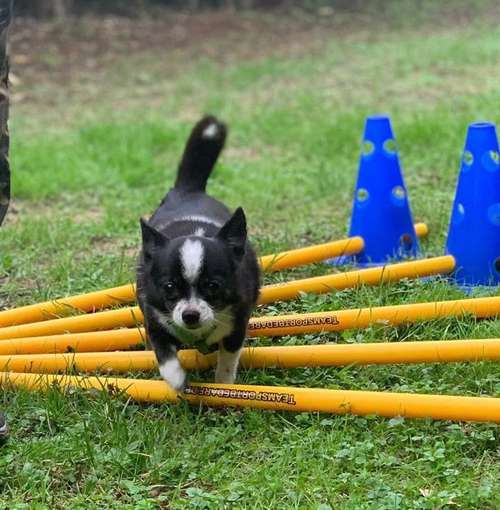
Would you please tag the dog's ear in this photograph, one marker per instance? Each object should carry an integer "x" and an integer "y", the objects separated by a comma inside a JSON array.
[
  {"x": 234, "y": 233},
  {"x": 151, "y": 240}
]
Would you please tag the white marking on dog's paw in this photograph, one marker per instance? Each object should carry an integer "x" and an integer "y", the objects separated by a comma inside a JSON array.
[
  {"x": 211, "y": 131},
  {"x": 173, "y": 373},
  {"x": 192, "y": 253}
]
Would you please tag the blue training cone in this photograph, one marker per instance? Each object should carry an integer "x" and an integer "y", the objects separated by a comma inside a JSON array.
[
  {"x": 381, "y": 211},
  {"x": 474, "y": 233}
]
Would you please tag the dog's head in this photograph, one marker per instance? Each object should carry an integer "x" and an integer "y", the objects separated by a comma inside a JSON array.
[{"x": 191, "y": 280}]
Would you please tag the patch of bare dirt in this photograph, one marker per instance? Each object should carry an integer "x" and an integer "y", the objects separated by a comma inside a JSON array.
[
  {"x": 65, "y": 50},
  {"x": 62, "y": 52},
  {"x": 54, "y": 60},
  {"x": 19, "y": 209},
  {"x": 108, "y": 245}
]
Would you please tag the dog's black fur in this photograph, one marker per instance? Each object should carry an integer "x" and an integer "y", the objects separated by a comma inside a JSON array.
[{"x": 198, "y": 277}]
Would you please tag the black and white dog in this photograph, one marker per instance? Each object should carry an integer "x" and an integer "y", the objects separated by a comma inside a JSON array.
[{"x": 198, "y": 277}]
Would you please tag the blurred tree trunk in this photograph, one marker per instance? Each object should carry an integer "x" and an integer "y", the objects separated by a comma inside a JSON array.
[
  {"x": 62, "y": 8},
  {"x": 193, "y": 5},
  {"x": 5, "y": 17},
  {"x": 49, "y": 8}
]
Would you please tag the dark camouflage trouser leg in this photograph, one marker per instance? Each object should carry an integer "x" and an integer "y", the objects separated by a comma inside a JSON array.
[{"x": 5, "y": 16}]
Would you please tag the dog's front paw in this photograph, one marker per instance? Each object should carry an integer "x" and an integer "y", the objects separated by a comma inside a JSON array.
[
  {"x": 181, "y": 386},
  {"x": 174, "y": 374},
  {"x": 224, "y": 376}
]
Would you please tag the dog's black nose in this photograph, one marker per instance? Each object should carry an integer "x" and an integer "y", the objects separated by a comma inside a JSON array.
[{"x": 191, "y": 317}]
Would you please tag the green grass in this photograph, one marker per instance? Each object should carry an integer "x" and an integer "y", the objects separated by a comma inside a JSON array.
[{"x": 79, "y": 187}]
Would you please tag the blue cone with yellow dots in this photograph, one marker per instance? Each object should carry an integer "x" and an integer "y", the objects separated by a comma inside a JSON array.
[
  {"x": 474, "y": 232},
  {"x": 381, "y": 211}
]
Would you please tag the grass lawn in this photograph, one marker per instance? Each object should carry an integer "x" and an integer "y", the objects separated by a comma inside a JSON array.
[{"x": 92, "y": 153}]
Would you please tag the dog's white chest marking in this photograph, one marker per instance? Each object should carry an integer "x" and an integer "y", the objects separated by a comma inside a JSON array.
[
  {"x": 225, "y": 326},
  {"x": 192, "y": 253}
]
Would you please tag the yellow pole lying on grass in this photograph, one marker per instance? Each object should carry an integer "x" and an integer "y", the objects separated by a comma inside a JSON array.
[
  {"x": 90, "y": 302},
  {"x": 279, "y": 325},
  {"x": 126, "y": 317},
  {"x": 349, "y": 279},
  {"x": 120, "y": 318},
  {"x": 340, "y": 320},
  {"x": 297, "y": 356},
  {"x": 311, "y": 254},
  {"x": 329, "y": 355},
  {"x": 102, "y": 341},
  {"x": 125, "y": 294},
  {"x": 438, "y": 407},
  {"x": 320, "y": 252},
  {"x": 98, "y": 321}
]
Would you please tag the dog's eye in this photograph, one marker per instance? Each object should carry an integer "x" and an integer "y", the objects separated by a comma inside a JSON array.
[
  {"x": 171, "y": 291},
  {"x": 212, "y": 288}
]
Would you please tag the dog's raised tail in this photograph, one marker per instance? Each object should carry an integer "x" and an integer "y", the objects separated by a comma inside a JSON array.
[{"x": 202, "y": 150}]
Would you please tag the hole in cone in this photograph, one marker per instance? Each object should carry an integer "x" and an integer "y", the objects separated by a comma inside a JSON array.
[
  {"x": 367, "y": 148},
  {"x": 362, "y": 195},
  {"x": 458, "y": 217},
  {"x": 406, "y": 242},
  {"x": 398, "y": 196},
  {"x": 494, "y": 214},
  {"x": 490, "y": 161},
  {"x": 390, "y": 146},
  {"x": 468, "y": 158},
  {"x": 497, "y": 265}
]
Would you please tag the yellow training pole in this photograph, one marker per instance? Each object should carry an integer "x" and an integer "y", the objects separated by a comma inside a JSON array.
[
  {"x": 439, "y": 407},
  {"x": 89, "y": 302},
  {"x": 118, "y": 362},
  {"x": 119, "y": 318},
  {"x": 311, "y": 254},
  {"x": 341, "y": 320},
  {"x": 125, "y": 294},
  {"x": 320, "y": 252},
  {"x": 126, "y": 317},
  {"x": 329, "y": 355},
  {"x": 279, "y": 325},
  {"x": 297, "y": 356},
  {"x": 103, "y": 341},
  {"x": 372, "y": 276}
]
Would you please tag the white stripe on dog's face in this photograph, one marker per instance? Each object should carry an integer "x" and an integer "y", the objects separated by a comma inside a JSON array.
[{"x": 192, "y": 254}]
